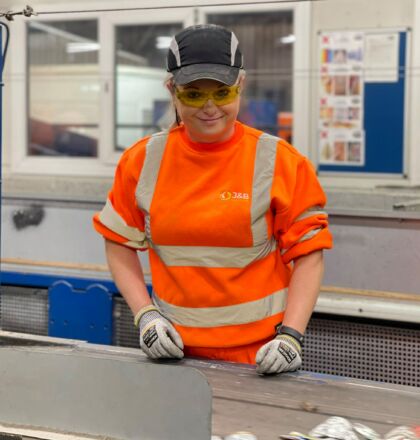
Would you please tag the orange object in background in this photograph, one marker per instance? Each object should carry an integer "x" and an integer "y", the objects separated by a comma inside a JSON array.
[{"x": 285, "y": 122}]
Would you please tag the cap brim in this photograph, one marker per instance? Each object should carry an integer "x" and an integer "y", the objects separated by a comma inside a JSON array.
[{"x": 218, "y": 72}]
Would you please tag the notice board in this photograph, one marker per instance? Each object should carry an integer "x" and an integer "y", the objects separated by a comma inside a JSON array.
[{"x": 361, "y": 102}]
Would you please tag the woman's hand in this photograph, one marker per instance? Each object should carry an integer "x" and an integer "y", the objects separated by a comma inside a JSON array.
[
  {"x": 279, "y": 355},
  {"x": 158, "y": 337}
]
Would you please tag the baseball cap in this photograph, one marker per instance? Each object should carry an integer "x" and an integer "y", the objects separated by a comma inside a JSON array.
[{"x": 204, "y": 52}]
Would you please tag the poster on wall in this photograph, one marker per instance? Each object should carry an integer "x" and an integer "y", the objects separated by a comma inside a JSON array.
[
  {"x": 345, "y": 147},
  {"x": 341, "y": 134},
  {"x": 381, "y": 57}
]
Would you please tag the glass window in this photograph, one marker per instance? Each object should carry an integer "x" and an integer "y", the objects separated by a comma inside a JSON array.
[
  {"x": 266, "y": 40},
  {"x": 64, "y": 88},
  {"x": 142, "y": 101}
]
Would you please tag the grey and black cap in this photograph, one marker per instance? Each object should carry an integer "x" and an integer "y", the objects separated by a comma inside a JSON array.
[{"x": 205, "y": 52}]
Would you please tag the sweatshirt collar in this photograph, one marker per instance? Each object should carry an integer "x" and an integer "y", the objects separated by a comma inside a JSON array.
[{"x": 213, "y": 146}]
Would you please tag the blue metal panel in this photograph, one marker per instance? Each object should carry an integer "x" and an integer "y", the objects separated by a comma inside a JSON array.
[
  {"x": 80, "y": 314},
  {"x": 45, "y": 281},
  {"x": 78, "y": 308},
  {"x": 383, "y": 124}
]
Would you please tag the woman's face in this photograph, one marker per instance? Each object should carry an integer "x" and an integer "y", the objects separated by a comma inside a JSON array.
[{"x": 209, "y": 123}]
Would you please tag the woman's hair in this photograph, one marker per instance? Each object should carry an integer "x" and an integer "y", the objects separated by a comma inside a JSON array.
[
  {"x": 242, "y": 75},
  {"x": 170, "y": 118}
]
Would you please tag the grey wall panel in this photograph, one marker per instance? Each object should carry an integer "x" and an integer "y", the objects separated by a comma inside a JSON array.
[
  {"x": 374, "y": 253},
  {"x": 65, "y": 234}
]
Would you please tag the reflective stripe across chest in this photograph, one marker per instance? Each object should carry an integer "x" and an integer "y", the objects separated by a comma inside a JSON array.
[{"x": 208, "y": 256}]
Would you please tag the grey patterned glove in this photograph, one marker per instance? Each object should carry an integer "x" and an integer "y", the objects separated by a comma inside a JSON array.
[
  {"x": 158, "y": 337},
  {"x": 279, "y": 355}
]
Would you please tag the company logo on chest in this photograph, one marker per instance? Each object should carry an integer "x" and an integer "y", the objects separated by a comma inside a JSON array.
[{"x": 233, "y": 195}]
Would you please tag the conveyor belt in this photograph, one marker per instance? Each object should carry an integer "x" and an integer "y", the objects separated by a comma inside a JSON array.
[
  {"x": 175, "y": 394},
  {"x": 271, "y": 406}
]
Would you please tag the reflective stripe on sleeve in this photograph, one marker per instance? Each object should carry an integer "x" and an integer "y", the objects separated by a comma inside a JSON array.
[
  {"x": 136, "y": 244},
  {"x": 110, "y": 218},
  {"x": 311, "y": 212},
  {"x": 309, "y": 235},
  {"x": 305, "y": 237},
  {"x": 206, "y": 256},
  {"x": 245, "y": 313}
]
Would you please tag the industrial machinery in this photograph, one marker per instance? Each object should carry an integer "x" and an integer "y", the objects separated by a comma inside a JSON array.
[{"x": 51, "y": 387}]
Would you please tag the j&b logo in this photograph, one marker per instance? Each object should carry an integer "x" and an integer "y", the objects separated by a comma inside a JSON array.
[{"x": 232, "y": 195}]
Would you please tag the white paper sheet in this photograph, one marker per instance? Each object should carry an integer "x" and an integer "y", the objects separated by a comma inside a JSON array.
[{"x": 381, "y": 57}]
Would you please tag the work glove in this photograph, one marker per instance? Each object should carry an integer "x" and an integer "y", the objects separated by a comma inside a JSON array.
[
  {"x": 158, "y": 337},
  {"x": 279, "y": 355}
]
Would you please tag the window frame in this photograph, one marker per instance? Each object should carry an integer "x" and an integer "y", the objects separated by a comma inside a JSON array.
[
  {"x": 301, "y": 13},
  {"x": 21, "y": 162},
  {"x": 185, "y": 16},
  {"x": 16, "y": 99}
]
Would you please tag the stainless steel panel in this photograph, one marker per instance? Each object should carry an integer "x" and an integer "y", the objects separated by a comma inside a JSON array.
[{"x": 84, "y": 393}]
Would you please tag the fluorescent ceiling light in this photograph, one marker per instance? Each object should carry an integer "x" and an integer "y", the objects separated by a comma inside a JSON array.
[
  {"x": 288, "y": 39},
  {"x": 82, "y": 46},
  {"x": 163, "y": 42}
]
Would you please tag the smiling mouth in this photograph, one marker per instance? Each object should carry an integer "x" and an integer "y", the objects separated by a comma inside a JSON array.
[{"x": 210, "y": 120}]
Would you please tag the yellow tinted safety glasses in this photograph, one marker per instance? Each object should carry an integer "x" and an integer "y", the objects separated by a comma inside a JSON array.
[{"x": 198, "y": 97}]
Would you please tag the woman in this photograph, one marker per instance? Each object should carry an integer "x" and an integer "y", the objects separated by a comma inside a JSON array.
[{"x": 232, "y": 218}]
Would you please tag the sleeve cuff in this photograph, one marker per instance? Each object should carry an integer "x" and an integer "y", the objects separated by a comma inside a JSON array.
[
  {"x": 322, "y": 239},
  {"x": 113, "y": 236}
]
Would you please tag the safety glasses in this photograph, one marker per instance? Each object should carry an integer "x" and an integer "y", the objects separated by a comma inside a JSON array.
[{"x": 198, "y": 97}]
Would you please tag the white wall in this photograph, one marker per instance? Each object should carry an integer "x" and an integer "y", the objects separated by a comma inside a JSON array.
[{"x": 346, "y": 14}]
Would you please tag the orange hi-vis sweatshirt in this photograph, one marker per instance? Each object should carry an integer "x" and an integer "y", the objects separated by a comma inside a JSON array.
[{"x": 222, "y": 223}]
